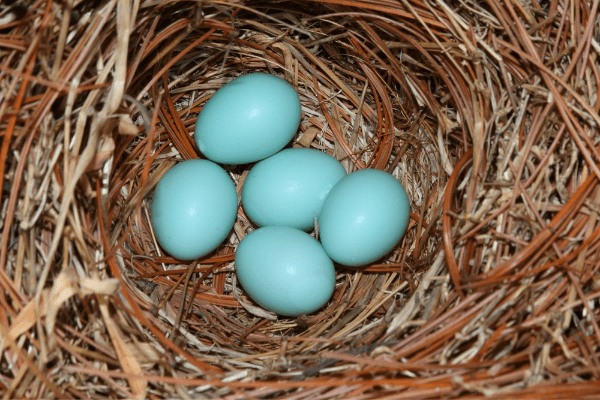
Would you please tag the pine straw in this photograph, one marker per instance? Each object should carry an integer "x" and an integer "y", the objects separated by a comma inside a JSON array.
[{"x": 486, "y": 112}]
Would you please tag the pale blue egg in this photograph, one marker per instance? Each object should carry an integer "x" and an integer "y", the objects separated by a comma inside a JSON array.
[
  {"x": 249, "y": 119},
  {"x": 285, "y": 270},
  {"x": 289, "y": 188},
  {"x": 363, "y": 217},
  {"x": 193, "y": 209}
]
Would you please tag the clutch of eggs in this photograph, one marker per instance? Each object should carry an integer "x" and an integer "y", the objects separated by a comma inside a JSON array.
[{"x": 361, "y": 216}]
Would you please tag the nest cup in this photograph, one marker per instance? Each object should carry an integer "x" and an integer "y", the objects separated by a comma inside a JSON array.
[
  {"x": 492, "y": 292},
  {"x": 349, "y": 111}
]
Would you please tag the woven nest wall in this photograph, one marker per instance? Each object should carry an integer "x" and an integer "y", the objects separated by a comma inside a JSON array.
[{"x": 487, "y": 112}]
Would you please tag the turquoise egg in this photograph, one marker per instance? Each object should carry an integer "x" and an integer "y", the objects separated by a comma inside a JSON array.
[
  {"x": 289, "y": 188},
  {"x": 193, "y": 208},
  {"x": 285, "y": 270},
  {"x": 363, "y": 217},
  {"x": 249, "y": 119}
]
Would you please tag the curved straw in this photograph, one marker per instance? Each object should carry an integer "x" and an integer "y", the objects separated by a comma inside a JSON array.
[{"x": 447, "y": 219}]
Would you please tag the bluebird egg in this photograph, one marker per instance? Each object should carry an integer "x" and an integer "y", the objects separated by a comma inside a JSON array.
[
  {"x": 193, "y": 209},
  {"x": 363, "y": 217},
  {"x": 249, "y": 119},
  {"x": 285, "y": 270},
  {"x": 290, "y": 187}
]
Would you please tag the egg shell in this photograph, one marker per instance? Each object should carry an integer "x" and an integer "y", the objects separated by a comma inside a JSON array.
[
  {"x": 285, "y": 270},
  {"x": 363, "y": 217},
  {"x": 289, "y": 188},
  {"x": 193, "y": 208},
  {"x": 248, "y": 119}
]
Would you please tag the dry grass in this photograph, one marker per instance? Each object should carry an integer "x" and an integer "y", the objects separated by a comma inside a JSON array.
[{"x": 487, "y": 112}]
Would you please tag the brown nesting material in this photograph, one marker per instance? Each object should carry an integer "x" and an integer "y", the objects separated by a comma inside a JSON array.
[{"x": 487, "y": 112}]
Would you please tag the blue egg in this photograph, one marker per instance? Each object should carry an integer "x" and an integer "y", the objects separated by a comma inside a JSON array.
[
  {"x": 249, "y": 119},
  {"x": 289, "y": 188},
  {"x": 285, "y": 270},
  {"x": 193, "y": 209},
  {"x": 363, "y": 217}
]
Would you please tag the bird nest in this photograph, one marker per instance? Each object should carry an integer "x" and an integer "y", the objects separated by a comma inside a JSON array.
[{"x": 486, "y": 112}]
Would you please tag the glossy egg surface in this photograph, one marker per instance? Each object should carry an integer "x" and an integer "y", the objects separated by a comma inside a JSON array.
[
  {"x": 193, "y": 208},
  {"x": 248, "y": 119},
  {"x": 285, "y": 270},
  {"x": 363, "y": 217},
  {"x": 289, "y": 188}
]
